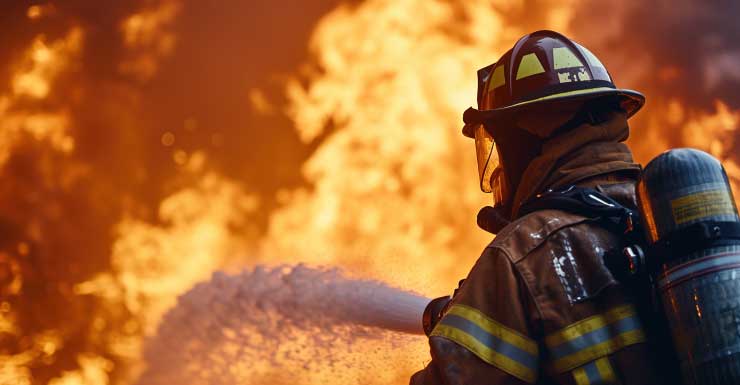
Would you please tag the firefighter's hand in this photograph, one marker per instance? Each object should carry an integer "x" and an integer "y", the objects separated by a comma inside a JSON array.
[{"x": 427, "y": 376}]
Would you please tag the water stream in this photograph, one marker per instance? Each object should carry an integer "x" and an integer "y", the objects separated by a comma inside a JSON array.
[{"x": 285, "y": 324}]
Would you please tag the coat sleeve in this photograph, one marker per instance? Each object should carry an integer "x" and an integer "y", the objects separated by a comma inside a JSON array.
[{"x": 484, "y": 336}]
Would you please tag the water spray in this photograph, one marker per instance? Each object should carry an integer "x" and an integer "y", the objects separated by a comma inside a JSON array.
[{"x": 278, "y": 317}]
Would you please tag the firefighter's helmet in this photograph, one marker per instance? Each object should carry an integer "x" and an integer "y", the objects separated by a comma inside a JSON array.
[{"x": 543, "y": 67}]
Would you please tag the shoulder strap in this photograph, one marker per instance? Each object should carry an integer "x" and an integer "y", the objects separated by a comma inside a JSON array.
[
  {"x": 625, "y": 260},
  {"x": 586, "y": 202}
]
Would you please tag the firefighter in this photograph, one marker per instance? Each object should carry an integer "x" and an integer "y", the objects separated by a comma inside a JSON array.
[{"x": 539, "y": 306}]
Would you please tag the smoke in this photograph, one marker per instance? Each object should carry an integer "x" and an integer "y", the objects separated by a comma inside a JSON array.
[
  {"x": 684, "y": 55},
  {"x": 687, "y": 49},
  {"x": 288, "y": 322}
]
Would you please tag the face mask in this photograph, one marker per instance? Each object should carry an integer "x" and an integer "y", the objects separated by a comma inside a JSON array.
[{"x": 490, "y": 171}]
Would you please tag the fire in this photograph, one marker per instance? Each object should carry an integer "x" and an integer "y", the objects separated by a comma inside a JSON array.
[
  {"x": 205, "y": 227},
  {"x": 38, "y": 11},
  {"x": 34, "y": 76},
  {"x": 93, "y": 370},
  {"x": 394, "y": 183},
  {"x": 195, "y": 242},
  {"x": 388, "y": 187},
  {"x": 394, "y": 180},
  {"x": 149, "y": 39},
  {"x": 715, "y": 132},
  {"x": 43, "y": 62}
]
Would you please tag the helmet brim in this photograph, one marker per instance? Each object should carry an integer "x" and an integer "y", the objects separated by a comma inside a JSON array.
[{"x": 631, "y": 101}]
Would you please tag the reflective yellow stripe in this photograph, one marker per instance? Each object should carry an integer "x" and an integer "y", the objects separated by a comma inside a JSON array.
[
  {"x": 589, "y": 324},
  {"x": 594, "y": 337},
  {"x": 563, "y": 57},
  {"x": 592, "y": 59},
  {"x": 528, "y": 66},
  {"x": 580, "y": 377},
  {"x": 597, "y": 372},
  {"x": 502, "y": 332},
  {"x": 600, "y": 350},
  {"x": 563, "y": 95},
  {"x": 606, "y": 371},
  {"x": 491, "y": 341},
  {"x": 497, "y": 78}
]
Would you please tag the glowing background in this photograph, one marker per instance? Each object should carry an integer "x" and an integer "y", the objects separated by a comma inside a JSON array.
[{"x": 146, "y": 144}]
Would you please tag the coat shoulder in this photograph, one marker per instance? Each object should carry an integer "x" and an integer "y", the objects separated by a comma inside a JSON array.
[{"x": 521, "y": 237}]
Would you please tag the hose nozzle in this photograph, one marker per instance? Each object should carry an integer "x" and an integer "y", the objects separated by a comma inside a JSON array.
[{"x": 433, "y": 313}]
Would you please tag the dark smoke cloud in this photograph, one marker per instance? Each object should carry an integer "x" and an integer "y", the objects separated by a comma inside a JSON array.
[
  {"x": 687, "y": 48},
  {"x": 686, "y": 51}
]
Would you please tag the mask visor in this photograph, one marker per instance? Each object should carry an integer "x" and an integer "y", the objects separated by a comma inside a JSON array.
[{"x": 489, "y": 166}]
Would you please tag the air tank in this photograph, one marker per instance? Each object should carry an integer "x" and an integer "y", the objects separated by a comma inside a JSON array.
[{"x": 693, "y": 231}]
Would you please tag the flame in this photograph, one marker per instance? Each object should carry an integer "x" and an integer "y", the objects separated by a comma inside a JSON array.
[
  {"x": 93, "y": 370},
  {"x": 391, "y": 186},
  {"x": 393, "y": 191},
  {"x": 393, "y": 181},
  {"x": 148, "y": 36},
  {"x": 715, "y": 133},
  {"x": 43, "y": 62},
  {"x": 14, "y": 368},
  {"x": 205, "y": 227},
  {"x": 155, "y": 264},
  {"x": 38, "y": 11},
  {"x": 31, "y": 82},
  {"x": 34, "y": 76}
]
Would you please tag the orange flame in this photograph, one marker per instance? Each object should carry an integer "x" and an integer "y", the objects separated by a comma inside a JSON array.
[
  {"x": 33, "y": 79},
  {"x": 149, "y": 39}
]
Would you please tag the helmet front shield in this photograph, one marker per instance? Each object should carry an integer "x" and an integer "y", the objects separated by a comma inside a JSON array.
[
  {"x": 490, "y": 172},
  {"x": 487, "y": 156}
]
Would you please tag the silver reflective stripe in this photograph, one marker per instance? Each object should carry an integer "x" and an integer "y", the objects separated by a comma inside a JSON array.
[
  {"x": 592, "y": 372},
  {"x": 595, "y": 337},
  {"x": 598, "y": 372},
  {"x": 698, "y": 266},
  {"x": 491, "y": 341}
]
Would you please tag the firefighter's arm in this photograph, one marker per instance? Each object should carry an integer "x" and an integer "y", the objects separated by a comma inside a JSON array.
[{"x": 483, "y": 337}]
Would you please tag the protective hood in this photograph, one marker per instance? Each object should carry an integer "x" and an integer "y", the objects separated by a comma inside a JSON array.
[{"x": 580, "y": 153}]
